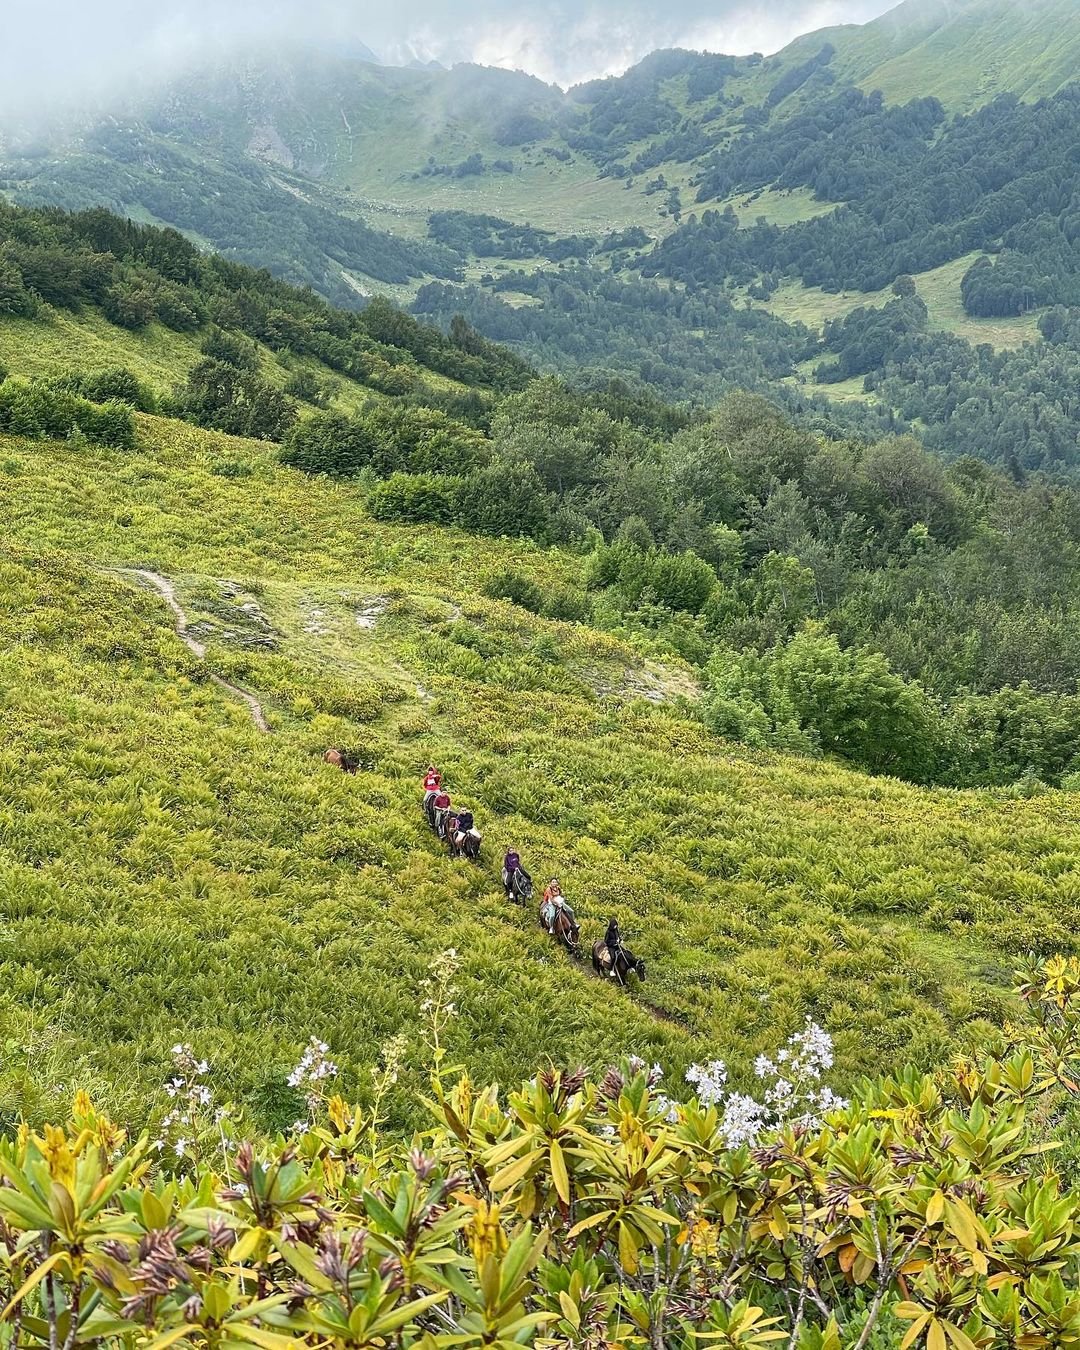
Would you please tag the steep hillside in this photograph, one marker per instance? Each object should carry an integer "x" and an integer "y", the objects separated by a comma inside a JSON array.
[
  {"x": 566, "y": 601},
  {"x": 963, "y": 52},
  {"x": 168, "y": 871}
]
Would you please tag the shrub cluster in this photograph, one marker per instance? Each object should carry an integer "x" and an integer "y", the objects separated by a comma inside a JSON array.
[
  {"x": 41, "y": 412},
  {"x": 574, "y": 1211}
]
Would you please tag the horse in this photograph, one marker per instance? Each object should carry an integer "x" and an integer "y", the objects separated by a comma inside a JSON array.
[
  {"x": 617, "y": 965},
  {"x": 564, "y": 925},
  {"x": 344, "y": 760},
  {"x": 518, "y": 886},
  {"x": 465, "y": 843}
]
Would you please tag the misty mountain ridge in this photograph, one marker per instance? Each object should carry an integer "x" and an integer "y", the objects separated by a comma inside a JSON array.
[{"x": 351, "y": 177}]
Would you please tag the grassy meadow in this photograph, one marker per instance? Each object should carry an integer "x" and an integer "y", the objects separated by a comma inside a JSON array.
[
  {"x": 167, "y": 872},
  {"x": 940, "y": 291}
]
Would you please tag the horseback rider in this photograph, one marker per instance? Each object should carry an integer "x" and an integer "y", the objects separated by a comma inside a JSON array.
[
  {"x": 512, "y": 869},
  {"x": 432, "y": 784},
  {"x": 553, "y": 901},
  {"x": 613, "y": 942},
  {"x": 613, "y": 938},
  {"x": 440, "y": 811},
  {"x": 461, "y": 829}
]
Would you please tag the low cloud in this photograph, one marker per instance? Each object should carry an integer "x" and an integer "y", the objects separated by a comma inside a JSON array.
[{"x": 55, "y": 52}]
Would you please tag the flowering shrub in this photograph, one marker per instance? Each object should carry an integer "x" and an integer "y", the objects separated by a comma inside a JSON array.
[{"x": 574, "y": 1212}]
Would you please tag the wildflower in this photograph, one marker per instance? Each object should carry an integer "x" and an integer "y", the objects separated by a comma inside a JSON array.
[
  {"x": 743, "y": 1120},
  {"x": 710, "y": 1080},
  {"x": 668, "y": 1109},
  {"x": 314, "y": 1068}
]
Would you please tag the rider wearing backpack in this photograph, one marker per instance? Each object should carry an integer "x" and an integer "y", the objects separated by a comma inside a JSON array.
[{"x": 553, "y": 901}]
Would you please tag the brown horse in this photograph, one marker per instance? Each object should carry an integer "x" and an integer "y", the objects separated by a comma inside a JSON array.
[
  {"x": 616, "y": 965},
  {"x": 341, "y": 759},
  {"x": 564, "y": 926}
]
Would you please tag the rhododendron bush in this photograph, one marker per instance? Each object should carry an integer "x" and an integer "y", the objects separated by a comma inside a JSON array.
[{"x": 574, "y": 1211}]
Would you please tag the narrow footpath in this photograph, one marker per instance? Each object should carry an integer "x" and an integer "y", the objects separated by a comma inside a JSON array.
[{"x": 167, "y": 591}]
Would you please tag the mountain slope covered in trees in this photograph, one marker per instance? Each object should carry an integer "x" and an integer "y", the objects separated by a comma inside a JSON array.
[{"x": 646, "y": 225}]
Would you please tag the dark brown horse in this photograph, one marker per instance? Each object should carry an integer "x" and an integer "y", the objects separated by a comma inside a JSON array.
[
  {"x": 564, "y": 927},
  {"x": 344, "y": 760},
  {"x": 464, "y": 843},
  {"x": 617, "y": 964}
]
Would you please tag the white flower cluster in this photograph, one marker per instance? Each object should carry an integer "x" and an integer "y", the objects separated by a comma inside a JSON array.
[
  {"x": 193, "y": 1100},
  {"x": 793, "y": 1091},
  {"x": 710, "y": 1080},
  {"x": 314, "y": 1069}
]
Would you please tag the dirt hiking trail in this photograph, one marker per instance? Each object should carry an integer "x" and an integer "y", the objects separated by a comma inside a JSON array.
[{"x": 167, "y": 591}]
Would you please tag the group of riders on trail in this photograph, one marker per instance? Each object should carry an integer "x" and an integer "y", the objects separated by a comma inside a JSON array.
[
  {"x": 454, "y": 825},
  {"x": 456, "y": 828}
]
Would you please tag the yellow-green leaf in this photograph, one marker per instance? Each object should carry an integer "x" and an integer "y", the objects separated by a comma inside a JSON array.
[{"x": 559, "y": 1173}]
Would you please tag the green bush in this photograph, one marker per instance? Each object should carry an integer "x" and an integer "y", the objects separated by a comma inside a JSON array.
[
  {"x": 387, "y": 438},
  {"x": 503, "y": 499},
  {"x": 41, "y": 413},
  {"x": 515, "y": 587},
  {"x": 423, "y": 498},
  {"x": 221, "y": 396},
  {"x": 566, "y": 604},
  {"x": 118, "y": 385},
  {"x": 811, "y": 693}
]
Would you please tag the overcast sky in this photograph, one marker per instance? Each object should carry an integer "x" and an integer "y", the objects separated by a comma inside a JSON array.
[{"x": 53, "y": 50}]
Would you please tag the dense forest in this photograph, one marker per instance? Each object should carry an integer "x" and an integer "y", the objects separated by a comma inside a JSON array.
[
  {"x": 914, "y": 189},
  {"x": 837, "y": 595},
  {"x": 683, "y": 342},
  {"x": 916, "y": 193}
]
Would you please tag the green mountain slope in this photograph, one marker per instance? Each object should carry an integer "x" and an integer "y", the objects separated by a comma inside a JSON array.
[
  {"x": 963, "y": 52},
  {"x": 430, "y": 588},
  {"x": 168, "y": 872}
]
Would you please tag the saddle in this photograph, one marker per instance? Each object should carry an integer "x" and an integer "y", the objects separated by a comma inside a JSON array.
[{"x": 609, "y": 957}]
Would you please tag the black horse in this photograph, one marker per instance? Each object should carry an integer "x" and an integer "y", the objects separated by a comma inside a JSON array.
[
  {"x": 518, "y": 885},
  {"x": 616, "y": 963},
  {"x": 464, "y": 843}
]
